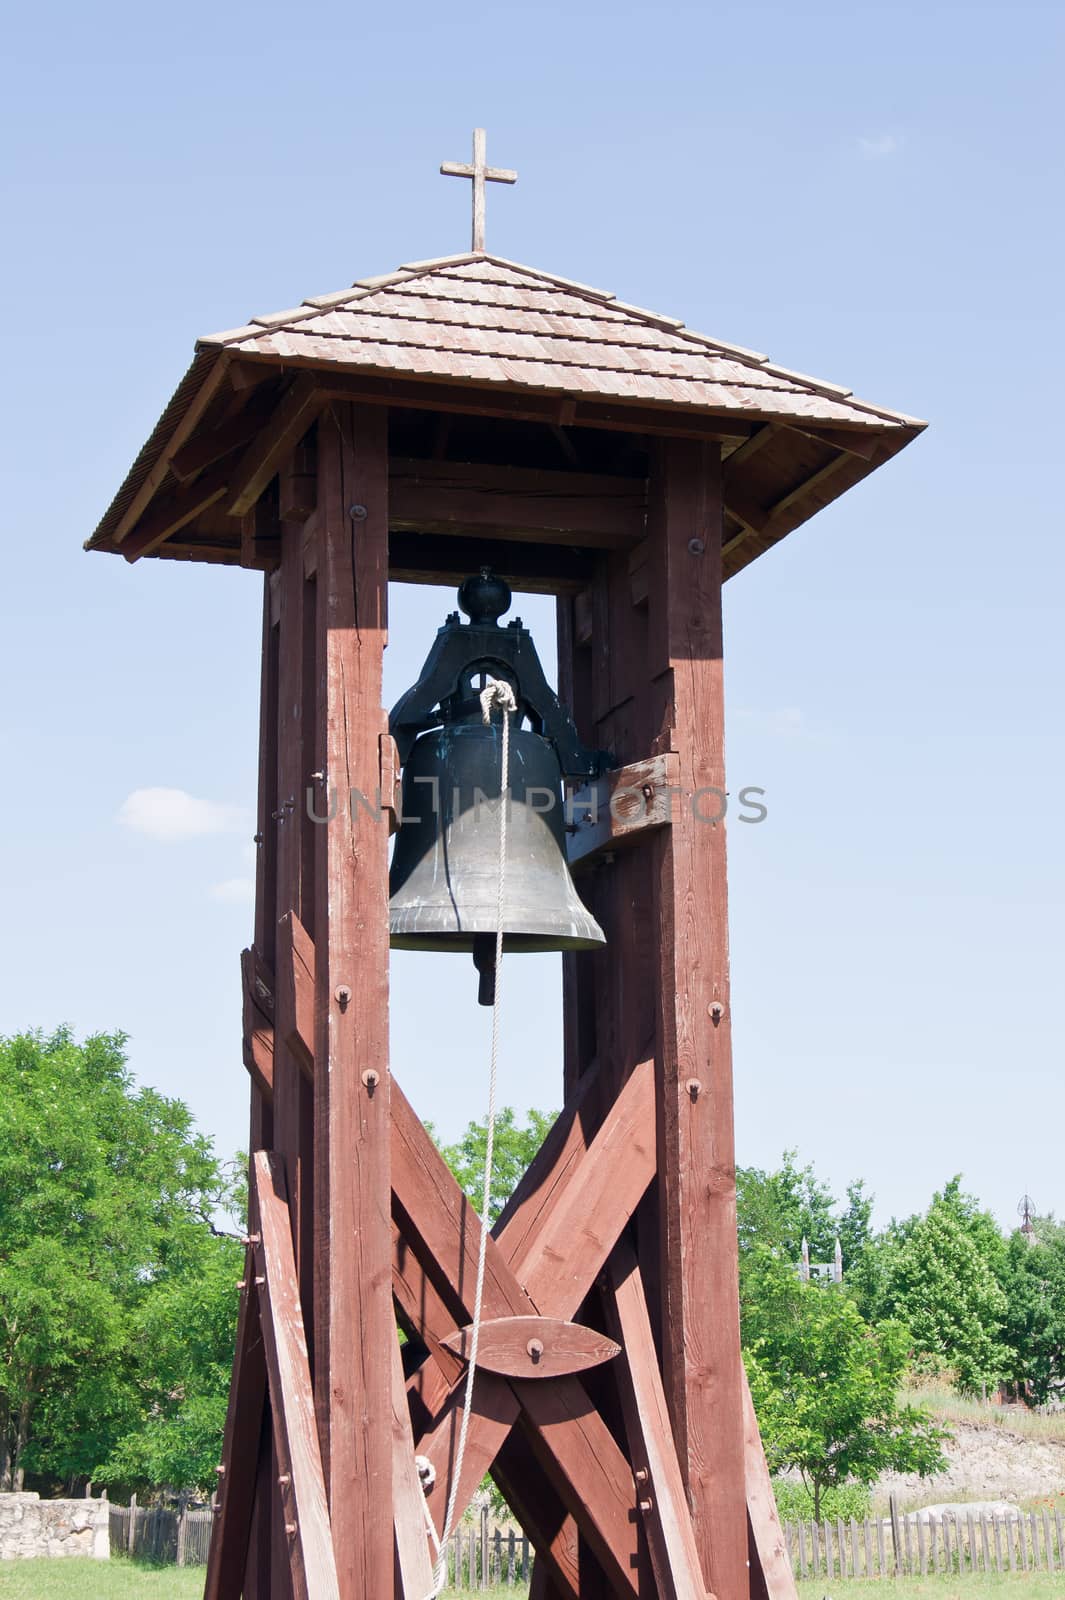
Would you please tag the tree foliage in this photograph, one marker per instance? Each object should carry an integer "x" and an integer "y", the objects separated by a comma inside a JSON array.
[
  {"x": 825, "y": 1384},
  {"x": 1033, "y": 1329},
  {"x": 514, "y": 1146},
  {"x": 106, "y": 1200},
  {"x": 941, "y": 1278}
]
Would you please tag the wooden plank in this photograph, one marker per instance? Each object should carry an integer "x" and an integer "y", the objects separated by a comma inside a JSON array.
[
  {"x": 314, "y": 1574},
  {"x": 448, "y": 558},
  {"x": 578, "y": 1452},
  {"x": 236, "y": 433},
  {"x": 856, "y": 443},
  {"x": 231, "y": 1528},
  {"x": 159, "y": 471},
  {"x": 353, "y": 1233},
  {"x": 258, "y": 1027},
  {"x": 534, "y": 1347},
  {"x": 668, "y": 1524},
  {"x": 292, "y": 416},
  {"x": 519, "y": 503},
  {"x": 170, "y": 512},
  {"x": 295, "y": 983},
  {"x": 696, "y": 1160},
  {"x": 414, "y": 1567},
  {"x": 559, "y": 1265},
  {"x": 620, "y": 807},
  {"x": 570, "y": 1438},
  {"x": 769, "y": 1557}
]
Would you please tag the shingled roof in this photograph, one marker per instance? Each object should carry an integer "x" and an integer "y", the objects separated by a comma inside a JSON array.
[
  {"x": 495, "y": 327},
  {"x": 485, "y": 320}
]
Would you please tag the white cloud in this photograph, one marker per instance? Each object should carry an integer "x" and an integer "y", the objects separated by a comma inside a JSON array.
[
  {"x": 886, "y": 144},
  {"x": 234, "y": 891},
  {"x": 172, "y": 814}
]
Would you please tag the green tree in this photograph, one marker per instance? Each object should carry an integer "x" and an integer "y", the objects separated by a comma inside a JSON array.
[
  {"x": 825, "y": 1384},
  {"x": 779, "y": 1209},
  {"x": 513, "y": 1148},
  {"x": 942, "y": 1281},
  {"x": 1033, "y": 1330},
  {"x": 107, "y": 1196}
]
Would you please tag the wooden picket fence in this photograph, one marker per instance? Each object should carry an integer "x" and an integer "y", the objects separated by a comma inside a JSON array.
[
  {"x": 158, "y": 1533},
  {"x": 482, "y": 1557},
  {"x": 919, "y": 1544}
]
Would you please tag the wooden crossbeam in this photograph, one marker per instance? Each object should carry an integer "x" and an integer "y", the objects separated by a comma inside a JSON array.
[
  {"x": 303, "y": 1497},
  {"x": 527, "y": 503},
  {"x": 571, "y": 1439},
  {"x": 258, "y": 1019},
  {"x": 171, "y": 512},
  {"x": 290, "y": 420}
]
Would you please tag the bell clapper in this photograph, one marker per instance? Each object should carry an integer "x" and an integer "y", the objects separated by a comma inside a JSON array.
[{"x": 484, "y": 959}]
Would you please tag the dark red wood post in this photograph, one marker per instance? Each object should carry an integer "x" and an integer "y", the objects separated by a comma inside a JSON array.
[
  {"x": 702, "y": 1362},
  {"x": 354, "y": 1322}
]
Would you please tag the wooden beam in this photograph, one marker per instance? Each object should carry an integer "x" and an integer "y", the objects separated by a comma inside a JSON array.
[
  {"x": 258, "y": 1008},
  {"x": 291, "y": 418},
  {"x": 303, "y": 1498},
  {"x": 670, "y": 1536},
  {"x": 560, "y": 1263},
  {"x": 772, "y": 1575},
  {"x": 231, "y": 1528},
  {"x": 516, "y": 502},
  {"x": 207, "y": 448},
  {"x": 157, "y": 475},
  {"x": 295, "y": 980},
  {"x": 414, "y": 1568},
  {"x": 171, "y": 512},
  {"x": 620, "y": 807},
  {"x": 448, "y": 558},
  {"x": 353, "y": 1232},
  {"x": 702, "y": 1366},
  {"x": 863, "y": 443}
]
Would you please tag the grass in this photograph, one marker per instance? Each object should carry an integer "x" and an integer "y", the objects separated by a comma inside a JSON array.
[
  {"x": 75, "y": 1579},
  {"x": 950, "y": 1407},
  {"x": 973, "y": 1586}
]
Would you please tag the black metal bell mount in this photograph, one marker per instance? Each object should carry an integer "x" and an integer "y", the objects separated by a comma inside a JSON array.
[{"x": 444, "y": 881}]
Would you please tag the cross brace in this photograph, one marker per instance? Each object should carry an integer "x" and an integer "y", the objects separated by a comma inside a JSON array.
[{"x": 560, "y": 1245}]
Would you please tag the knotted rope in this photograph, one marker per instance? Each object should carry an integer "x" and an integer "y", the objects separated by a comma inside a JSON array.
[{"x": 494, "y": 693}]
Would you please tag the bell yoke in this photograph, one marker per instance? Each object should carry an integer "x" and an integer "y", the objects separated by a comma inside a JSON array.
[{"x": 443, "y": 885}]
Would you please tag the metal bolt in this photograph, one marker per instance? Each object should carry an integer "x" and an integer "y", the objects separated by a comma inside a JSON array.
[
  {"x": 357, "y": 513},
  {"x": 716, "y": 1010},
  {"x": 259, "y": 1280},
  {"x": 696, "y": 547},
  {"x": 535, "y": 1349},
  {"x": 646, "y": 1505},
  {"x": 284, "y": 1479},
  {"x": 251, "y": 1239},
  {"x": 371, "y": 1079},
  {"x": 641, "y": 1475},
  {"x": 342, "y": 996},
  {"x": 290, "y": 1528},
  {"x": 693, "y": 1087},
  {"x": 242, "y": 1284},
  {"x": 220, "y": 1470}
]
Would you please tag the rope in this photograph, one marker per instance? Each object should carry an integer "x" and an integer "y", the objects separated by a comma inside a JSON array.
[{"x": 502, "y": 695}]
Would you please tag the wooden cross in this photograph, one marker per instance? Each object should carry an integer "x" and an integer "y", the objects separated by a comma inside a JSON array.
[{"x": 480, "y": 174}]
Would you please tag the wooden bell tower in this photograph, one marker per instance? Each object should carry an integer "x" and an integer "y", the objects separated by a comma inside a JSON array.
[{"x": 458, "y": 413}]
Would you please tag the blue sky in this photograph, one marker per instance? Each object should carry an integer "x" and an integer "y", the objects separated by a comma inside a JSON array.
[{"x": 870, "y": 193}]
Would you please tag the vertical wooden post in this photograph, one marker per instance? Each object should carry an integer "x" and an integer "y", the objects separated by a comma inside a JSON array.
[
  {"x": 354, "y": 1323},
  {"x": 703, "y": 1369}
]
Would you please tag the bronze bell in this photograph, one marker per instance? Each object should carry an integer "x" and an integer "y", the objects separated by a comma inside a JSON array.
[{"x": 444, "y": 881}]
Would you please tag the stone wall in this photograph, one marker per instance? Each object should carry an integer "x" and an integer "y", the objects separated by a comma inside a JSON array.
[{"x": 30, "y": 1526}]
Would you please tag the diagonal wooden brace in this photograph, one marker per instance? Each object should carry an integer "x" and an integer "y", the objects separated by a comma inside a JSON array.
[{"x": 302, "y": 1484}]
